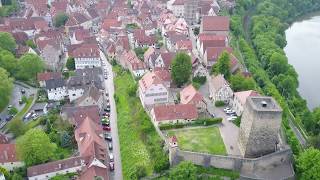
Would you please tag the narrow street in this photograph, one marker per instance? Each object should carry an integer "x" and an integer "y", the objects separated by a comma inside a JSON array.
[{"x": 117, "y": 174}]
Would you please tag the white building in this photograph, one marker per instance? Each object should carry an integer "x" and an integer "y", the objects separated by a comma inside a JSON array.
[
  {"x": 56, "y": 89},
  {"x": 240, "y": 99},
  {"x": 152, "y": 90},
  {"x": 86, "y": 55},
  {"x": 219, "y": 89}
]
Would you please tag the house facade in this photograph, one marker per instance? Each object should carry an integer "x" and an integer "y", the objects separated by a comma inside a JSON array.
[
  {"x": 152, "y": 90},
  {"x": 86, "y": 55},
  {"x": 220, "y": 89},
  {"x": 176, "y": 113},
  {"x": 56, "y": 89},
  {"x": 240, "y": 99}
]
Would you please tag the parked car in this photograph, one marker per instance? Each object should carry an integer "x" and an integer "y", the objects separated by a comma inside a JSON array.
[
  {"x": 111, "y": 157},
  {"x": 9, "y": 117},
  {"x": 106, "y": 128},
  {"x": 226, "y": 109},
  {"x": 110, "y": 146},
  {"x": 23, "y": 91},
  {"x": 10, "y": 106},
  {"x": 107, "y": 137},
  {"x": 230, "y": 112},
  {"x": 111, "y": 166},
  {"x": 20, "y": 101},
  {"x": 231, "y": 118},
  {"x": 28, "y": 115},
  {"x": 34, "y": 115}
]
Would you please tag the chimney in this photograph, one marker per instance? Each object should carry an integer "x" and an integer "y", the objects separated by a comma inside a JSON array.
[{"x": 264, "y": 104}]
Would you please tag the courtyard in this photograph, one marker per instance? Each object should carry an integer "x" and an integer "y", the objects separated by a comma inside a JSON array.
[{"x": 204, "y": 139}]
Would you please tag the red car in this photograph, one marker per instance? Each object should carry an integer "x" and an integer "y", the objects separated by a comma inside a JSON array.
[
  {"x": 111, "y": 166},
  {"x": 106, "y": 128}
]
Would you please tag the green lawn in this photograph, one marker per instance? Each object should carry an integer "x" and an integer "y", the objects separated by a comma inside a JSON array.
[
  {"x": 200, "y": 140},
  {"x": 140, "y": 145}
]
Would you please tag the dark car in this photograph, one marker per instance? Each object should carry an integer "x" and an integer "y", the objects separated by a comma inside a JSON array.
[
  {"x": 107, "y": 137},
  {"x": 9, "y": 117},
  {"x": 110, "y": 146},
  {"x": 111, "y": 166},
  {"x": 23, "y": 91}
]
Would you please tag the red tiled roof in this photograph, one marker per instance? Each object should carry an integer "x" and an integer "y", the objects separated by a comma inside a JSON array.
[
  {"x": 178, "y": 2},
  {"x": 167, "y": 58},
  {"x": 149, "y": 79},
  {"x": 189, "y": 95},
  {"x": 77, "y": 114},
  {"x": 215, "y": 23},
  {"x": 8, "y": 153},
  {"x": 213, "y": 53},
  {"x": 48, "y": 75},
  {"x": 108, "y": 23},
  {"x": 175, "y": 112},
  {"x": 86, "y": 51},
  {"x": 55, "y": 166},
  {"x": 163, "y": 74}
]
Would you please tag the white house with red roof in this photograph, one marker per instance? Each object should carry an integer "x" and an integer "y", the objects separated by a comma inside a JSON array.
[
  {"x": 218, "y": 25},
  {"x": 129, "y": 60},
  {"x": 189, "y": 95},
  {"x": 220, "y": 89},
  {"x": 85, "y": 55},
  {"x": 240, "y": 99},
  {"x": 8, "y": 157},
  {"x": 175, "y": 113},
  {"x": 152, "y": 90}
]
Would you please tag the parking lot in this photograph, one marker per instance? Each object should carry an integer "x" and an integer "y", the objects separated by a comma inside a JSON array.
[{"x": 18, "y": 92}]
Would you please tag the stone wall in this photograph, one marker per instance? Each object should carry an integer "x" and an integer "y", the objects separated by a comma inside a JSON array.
[{"x": 264, "y": 167}]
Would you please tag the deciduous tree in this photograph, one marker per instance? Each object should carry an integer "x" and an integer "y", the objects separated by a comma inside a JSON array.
[
  {"x": 223, "y": 65},
  {"x": 308, "y": 164},
  {"x": 71, "y": 64},
  {"x": 35, "y": 147},
  {"x": 185, "y": 170},
  {"x": 29, "y": 65},
  {"x": 6, "y": 86},
  {"x": 7, "y": 42},
  {"x": 60, "y": 19},
  {"x": 181, "y": 69}
]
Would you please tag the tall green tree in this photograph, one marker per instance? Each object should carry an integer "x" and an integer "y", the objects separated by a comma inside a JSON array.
[
  {"x": 181, "y": 68},
  {"x": 223, "y": 65},
  {"x": 7, "y": 42},
  {"x": 278, "y": 64},
  {"x": 241, "y": 83},
  {"x": 71, "y": 64},
  {"x": 8, "y": 61},
  {"x": 29, "y": 65},
  {"x": 6, "y": 86},
  {"x": 35, "y": 147},
  {"x": 17, "y": 127},
  {"x": 308, "y": 164},
  {"x": 185, "y": 170},
  {"x": 60, "y": 19}
]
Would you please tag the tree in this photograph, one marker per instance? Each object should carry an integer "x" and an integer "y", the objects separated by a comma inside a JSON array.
[
  {"x": 71, "y": 64},
  {"x": 241, "y": 83},
  {"x": 60, "y": 19},
  {"x": 4, "y": 171},
  {"x": 181, "y": 68},
  {"x": 278, "y": 64},
  {"x": 17, "y": 127},
  {"x": 6, "y": 86},
  {"x": 8, "y": 61},
  {"x": 7, "y": 42},
  {"x": 16, "y": 176},
  {"x": 35, "y": 147},
  {"x": 185, "y": 170},
  {"x": 29, "y": 65},
  {"x": 223, "y": 65},
  {"x": 308, "y": 164},
  {"x": 196, "y": 31},
  {"x": 30, "y": 43}
]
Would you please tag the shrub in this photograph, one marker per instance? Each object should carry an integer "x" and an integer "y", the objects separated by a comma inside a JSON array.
[
  {"x": 198, "y": 122},
  {"x": 219, "y": 103},
  {"x": 200, "y": 79}
]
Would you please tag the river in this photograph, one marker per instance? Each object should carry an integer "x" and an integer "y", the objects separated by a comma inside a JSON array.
[{"x": 303, "y": 52}]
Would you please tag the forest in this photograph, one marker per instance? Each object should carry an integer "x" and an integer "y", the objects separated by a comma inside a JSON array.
[{"x": 259, "y": 29}]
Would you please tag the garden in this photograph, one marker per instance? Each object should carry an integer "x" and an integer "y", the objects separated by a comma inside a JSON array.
[{"x": 205, "y": 139}]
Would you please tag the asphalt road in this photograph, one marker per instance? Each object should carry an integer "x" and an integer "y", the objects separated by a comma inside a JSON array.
[
  {"x": 14, "y": 100},
  {"x": 117, "y": 174}
]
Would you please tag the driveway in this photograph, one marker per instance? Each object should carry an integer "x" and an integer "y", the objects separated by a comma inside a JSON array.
[
  {"x": 15, "y": 97},
  {"x": 229, "y": 131},
  {"x": 117, "y": 174}
]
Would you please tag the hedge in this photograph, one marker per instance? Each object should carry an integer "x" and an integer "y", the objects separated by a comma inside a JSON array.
[
  {"x": 219, "y": 103},
  {"x": 198, "y": 122}
]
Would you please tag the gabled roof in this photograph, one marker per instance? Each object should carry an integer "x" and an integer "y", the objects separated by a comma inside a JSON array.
[
  {"x": 174, "y": 112},
  {"x": 85, "y": 51},
  {"x": 213, "y": 53},
  {"x": 48, "y": 75},
  {"x": 167, "y": 58},
  {"x": 215, "y": 23},
  {"x": 92, "y": 92},
  {"x": 55, "y": 166},
  {"x": 149, "y": 79},
  {"x": 76, "y": 115},
  {"x": 190, "y": 95},
  {"x": 218, "y": 81},
  {"x": 243, "y": 95},
  {"x": 8, "y": 153},
  {"x": 178, "y": 3},
  {"x": 54, "y": 83}
]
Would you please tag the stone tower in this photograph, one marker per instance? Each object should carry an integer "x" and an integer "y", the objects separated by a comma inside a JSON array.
[
  {"x": 190, "y": 11},
  {"x": 259, "y": 128}
]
